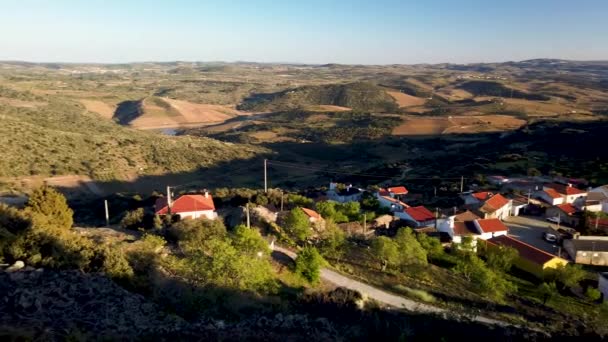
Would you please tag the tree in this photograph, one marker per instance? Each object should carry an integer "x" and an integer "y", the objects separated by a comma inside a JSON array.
[
  {"x": 432, "y": 246},
  {"x": 299, "y": 201},
  {"x": 194, "y": 233},
  {"x": 501, "y": 258},
  {"x": 308, "y": 264},
  {"x": 133, "y": 219},
  {"x": 567, "y": 276},
  {"x": 327, "y": 209},
  {"x": 249, "y": 241},
  {"x": 297, "y": 224},
  {"x": 483, "y": 279},
  {"x": 547, "y": 291},
  {"x": 410, "y": 250},
  {"x": 52, "y": 204},
  {"x": 386, "y": 250},
  {"x": 157, "y": 222},
  {"x": 333, "y": 239},
  {"x": 593, "y": 294}
]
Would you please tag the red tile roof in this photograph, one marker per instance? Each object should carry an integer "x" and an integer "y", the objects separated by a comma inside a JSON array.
[
  {"x": 383, "y": 192},
  {"x": 311, "y": 213},
  {"x": 420, "y": 213},
  {"x": 567, "y": 208},
  {"x": 526, "y": 251},
  {"x": 565, "y": 189},
  {"x": 552, "y": 193},
  {"x": 492, "y": 225},
  {"x": 465, "y": 228},
  {"x": 396, "y": 201},
  {"x": 185, "y": 203},
  {"x": 495, "y": 202},
  {"x": 398, "y": 190},
  {"x": 482, "y": 196}
]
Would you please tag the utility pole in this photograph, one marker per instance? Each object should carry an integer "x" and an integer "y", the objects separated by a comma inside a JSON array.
[
  {"x": 529, "y": 193},
  {"x": 436, "y": 216},
  {"x": 105, "y": 202},
  {"x": 247, "y": 210},
  {"x": 461, "y": 184},
  {"x": 265, "y": 176},
  {"x": 282, "y": 200},
  {"x": 364, "y": 224},
  {"x": 169, "y": 204}
]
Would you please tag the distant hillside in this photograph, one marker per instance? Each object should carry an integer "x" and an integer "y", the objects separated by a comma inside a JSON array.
[
  {"x": 61, "y": 137},
  {"x": 360, "y": 96},
  {"x": 489, "y": 88}
]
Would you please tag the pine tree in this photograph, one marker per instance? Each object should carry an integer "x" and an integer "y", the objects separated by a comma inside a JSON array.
[{"x": 52, "y": 204}]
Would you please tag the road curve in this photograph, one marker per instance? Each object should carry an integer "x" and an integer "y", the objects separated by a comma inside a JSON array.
[{"x": 386, "y": 297}]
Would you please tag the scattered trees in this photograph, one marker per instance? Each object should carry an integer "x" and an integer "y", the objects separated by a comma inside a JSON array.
[
  {"x": 432, "y": 246},
  {"x": 308, "y": 264},
  {"x": 568, "y": 276},
  {"x": 333, "y": 239},
  {"x": 401, "y": 251},
  {"x": 501, "y": 258},
  {"x": 297, "y": 225},
  {"x": 483, "y": 279},
  {"x": 386, "y": 250}
]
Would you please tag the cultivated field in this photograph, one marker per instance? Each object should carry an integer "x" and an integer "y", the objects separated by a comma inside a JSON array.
[
  {"x": 406, "y": 100},
  {"x": 99, "y": 107},
  {"x": 457, "y": 125}
]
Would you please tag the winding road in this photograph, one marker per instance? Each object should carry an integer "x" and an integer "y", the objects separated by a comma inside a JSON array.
[{"x": 386, "y": 297}]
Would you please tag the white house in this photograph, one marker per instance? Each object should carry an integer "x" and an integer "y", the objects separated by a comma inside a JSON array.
[
  {"x": 489, "y": 228},
  {"x": 476, "y": 198},
  {"x": 603, "y": 285},
  {"x": 349, "y": 194},
  {"x": 496, "y": 206},
  {"x": 600, "y": 194},
  {"x": 188, "y": 207},
  {"x": 550, "y": 196},
  {"x": 392, "y": 203},
  {"x": 568, "y": 193},
  {"x": 497, "y": 180},
  {"x": 419, "y": 216}
]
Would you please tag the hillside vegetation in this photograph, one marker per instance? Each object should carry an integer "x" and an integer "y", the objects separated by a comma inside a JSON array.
[
  {"x": 359, "y": 96},
  {"x": 485, "y": 88},
  {"x": 61, "y": 137}
]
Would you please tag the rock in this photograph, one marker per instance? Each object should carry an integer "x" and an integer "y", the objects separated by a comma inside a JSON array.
[{"x": 16, "y": 266}]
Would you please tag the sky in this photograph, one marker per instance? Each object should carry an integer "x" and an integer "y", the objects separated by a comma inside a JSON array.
[{"x": 330, "y": 31}]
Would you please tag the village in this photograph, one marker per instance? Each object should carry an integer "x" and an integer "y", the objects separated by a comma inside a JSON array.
[{"x": 549, "y": 221}]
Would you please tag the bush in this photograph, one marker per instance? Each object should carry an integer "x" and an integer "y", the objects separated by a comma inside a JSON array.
[
  {"x": 593, "y": 294},
  {"x": 52, "y": 204},
  {"x": 308, "y": 264},
  {"x": 133, "y": 219},
  {"x": 297, "y": 225}
]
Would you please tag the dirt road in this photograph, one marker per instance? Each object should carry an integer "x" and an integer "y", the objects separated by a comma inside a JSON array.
[{"x": 385, "y": 297}]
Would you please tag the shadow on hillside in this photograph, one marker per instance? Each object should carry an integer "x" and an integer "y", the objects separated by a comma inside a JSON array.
[{"x": 127, "y": 111}]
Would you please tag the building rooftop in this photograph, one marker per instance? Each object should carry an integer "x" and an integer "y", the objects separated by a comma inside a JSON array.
[
  {"x": 590, "y": 245},
  {"x": 525, "y": 250}
]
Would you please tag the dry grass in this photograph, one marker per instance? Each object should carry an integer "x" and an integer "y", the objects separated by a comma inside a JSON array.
[
  {"x": 103, "y": 109},
  {"x": 406, "y": 100},
  {"x": 178, "y": 113},
  {"x": 20, "y": 103},
  {"x": 457, "y": 124}
]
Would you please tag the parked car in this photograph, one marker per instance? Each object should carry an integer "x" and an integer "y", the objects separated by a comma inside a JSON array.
[
  {"x": 553, "y": 219},
  {"x": 549, "y": 237}
]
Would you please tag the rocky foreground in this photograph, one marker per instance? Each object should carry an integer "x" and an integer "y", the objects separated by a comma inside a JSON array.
[{"x": 57, "y": 305}]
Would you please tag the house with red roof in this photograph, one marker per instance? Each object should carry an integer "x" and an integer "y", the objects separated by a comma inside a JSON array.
[
  {"x": 313, "y": 216},
  {"x": 476, "y": 198},
  {"x": 566, "y": 214},
  {"x": 417, "y": 216},
  {"x": 567, "y": 193},
  {"x": 489, "y": 228},
  {"x": 481, "y": 229},
  {"x": 187, "y": 207},
  {"x": 530, "y": 259},
  {"x": 496, "y": 206},
  {"x": 391, "y": 203}
]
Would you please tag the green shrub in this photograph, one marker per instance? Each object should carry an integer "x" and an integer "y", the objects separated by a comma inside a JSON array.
[
  {"x": 308, "y": 264},
  {"x": 52, "y": 204},
  {"x": 133, "y": 219}
]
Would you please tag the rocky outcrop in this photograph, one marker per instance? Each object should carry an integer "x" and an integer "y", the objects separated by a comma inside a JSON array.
[{"x": 60, "y": 303}]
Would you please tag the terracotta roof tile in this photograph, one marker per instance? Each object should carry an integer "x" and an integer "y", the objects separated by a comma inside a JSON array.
[
  {"x": 398, "y": 190},
  {"x": 465, "y": 228},
  {"x": 492, "y": 225},
  {"x": 311, "y": 213},
  {"x": 552, "y": 193},
  {"x": 565, "y": 189},
  {"x": 526, "y": 251},
  {"x": 185, "y": 203},
  {"x": 482, "y": 196},
  {"x": 420, "y": 213},
  {"x": 567, "y": 208},
  {"x": 466, "y": 216}
]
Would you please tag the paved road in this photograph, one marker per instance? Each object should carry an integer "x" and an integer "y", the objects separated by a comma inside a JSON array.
[
  {"x": 383, "y": 296},
  {"x": 530, "y": 230}
]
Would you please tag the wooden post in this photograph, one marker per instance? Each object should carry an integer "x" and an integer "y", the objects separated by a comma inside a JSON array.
[
  {"x": 461, "y": 184},
  {"x": 364, "y": 224},
  {"x": 247, "y": 210},
  {"x": 169, "y": 200},
  {"x": 265, "y": 176},
  {"x": 105, "y": 202},
  {"x": 282, "y": 200}
]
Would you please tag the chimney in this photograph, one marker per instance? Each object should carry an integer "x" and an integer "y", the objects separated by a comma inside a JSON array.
[
  {"x": 206, "y": 193},
  {"x": 348, "y": 187},
  {"x": 569, "y": 185}
]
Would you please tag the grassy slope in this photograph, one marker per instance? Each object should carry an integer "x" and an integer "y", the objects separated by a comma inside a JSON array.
[
  {"x": 62, "y": 138},
  {"x": 361, "y": 96}
]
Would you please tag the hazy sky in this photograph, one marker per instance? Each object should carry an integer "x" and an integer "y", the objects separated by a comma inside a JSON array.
[{"x": 330, "y": 31}]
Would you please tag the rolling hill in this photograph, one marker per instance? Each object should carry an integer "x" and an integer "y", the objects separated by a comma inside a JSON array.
[{"x": 359, "y": 96}]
